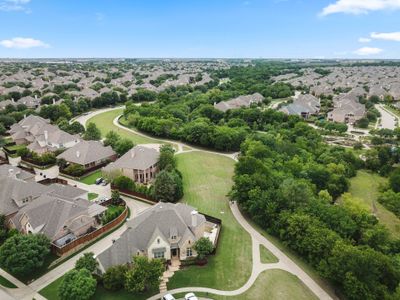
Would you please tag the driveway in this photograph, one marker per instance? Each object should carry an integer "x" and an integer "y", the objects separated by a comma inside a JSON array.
[{"x": 387, "y": 120}]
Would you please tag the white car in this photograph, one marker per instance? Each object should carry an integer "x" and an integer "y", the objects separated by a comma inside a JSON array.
[
  {"x": 168, "y": 297},
  {"x": 190, "y": 296}
]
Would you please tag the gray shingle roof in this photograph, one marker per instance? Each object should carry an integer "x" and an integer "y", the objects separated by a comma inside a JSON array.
[
  {"x": 161, "y": 219},
  {"x": 138, "y": 158},
  {"x": 241, "y": 101},
  {"x": 87, "y": 152}
]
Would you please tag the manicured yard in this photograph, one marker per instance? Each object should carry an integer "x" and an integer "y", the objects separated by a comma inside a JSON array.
[
  {"x": 365, "y": 188},
  {"x": 271, "y": 285},
  {"x": 207, "y": 180},
  {"x": 91, "y": 179},
  {"x": 92, "y": 196},
  {"x": 266, "y": 256},
  {"x": 104, "y": 122},
  {"x": 50, "y": 292},
  {"x": 6, "y": 283}
]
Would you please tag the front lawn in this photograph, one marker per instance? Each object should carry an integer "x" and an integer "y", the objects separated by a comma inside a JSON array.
[
  {"x": 6, "y": 283},
  {"x": 91, "y": 178},
  {"x": 207, "y": 180},
  {"x": 271, "y": 285},
  {"x": 51, "y": 293},
  {"x": 365, "y": 187}
]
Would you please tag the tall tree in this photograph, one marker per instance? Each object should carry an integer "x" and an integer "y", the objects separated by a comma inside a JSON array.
[
  {"x": 92, "y": 132},
  {"x": 77, "y": 285}
]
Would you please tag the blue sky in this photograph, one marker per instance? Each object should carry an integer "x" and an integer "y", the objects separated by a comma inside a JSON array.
[{"x": 200, "y": 28}]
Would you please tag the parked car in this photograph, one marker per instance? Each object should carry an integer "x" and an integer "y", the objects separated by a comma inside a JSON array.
[
  {"x": 190, "y": 296},
  {"x": 104, "y": 182},
  {"x": 99, "y": 180},
  {"x": 168, "y": 297}
]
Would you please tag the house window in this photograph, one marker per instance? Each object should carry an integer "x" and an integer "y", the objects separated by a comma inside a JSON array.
[
  {"x": 159, "y": 254},
  {"x": 173, "y": 237},
  {"x": 189, "y": 252},
  {"x": 158, "y": 241}
]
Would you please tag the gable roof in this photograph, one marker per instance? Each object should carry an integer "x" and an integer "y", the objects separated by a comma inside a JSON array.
[
  {"x": 13, "y": 191},
  {"x": 50, "y": 213},
  {"x": 8, "y": 170},
  {"x": 159, "y": 219}
]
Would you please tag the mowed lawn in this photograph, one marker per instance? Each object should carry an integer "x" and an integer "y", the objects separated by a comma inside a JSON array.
[
  {"x": 91, "y": 179},
  {"x": 271, "y": 285},
  {"x": 207, "y": 179},
  {"x": 104, "y": 122},
  {"x": 365, "y": 187}
]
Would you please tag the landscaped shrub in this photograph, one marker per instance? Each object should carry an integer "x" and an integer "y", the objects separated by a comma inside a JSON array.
[
  {"x": 112, "y": 213},
  {"x": 74, "y": 170}
]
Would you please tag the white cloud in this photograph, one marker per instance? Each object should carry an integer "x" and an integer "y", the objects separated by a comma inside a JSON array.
[
  {"x": 357, "y": 7},
  {"x": 365, "y": 51},
  {"x": 387, "y": 36},
  {"x": 14, "y": 5},
  {"x": 23, "y": 43},
  {"x": 364, "y": 40}
]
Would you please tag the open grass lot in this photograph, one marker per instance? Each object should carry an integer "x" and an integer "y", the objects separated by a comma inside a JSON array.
[
  {"x": 365, "y": 187},
  {"x": 50, "y": 292},
  {"x": 271, "y": 285},
  {"x": 91, "y": 179},
  {"x": 266, "y": 256},
  {"x": 104, "y": 122},
  {"x": 6, "y": 283},
  {"x": 207, "y": 180}
]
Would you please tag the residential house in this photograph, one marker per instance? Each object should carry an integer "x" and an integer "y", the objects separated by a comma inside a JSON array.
[
  {"x": 89, "y": 154},
  {"x": 241, "y": 101},
  {"x": 61, "y": 219},
  {"x": 40, "y": 136},
  {"x": 140, "y": 164},
  {"x": 165, "y": 230},
  {"x": 303, "y": 105},
  {"x": 347, "y": 109},
  {"x": 12, "y": 171}
]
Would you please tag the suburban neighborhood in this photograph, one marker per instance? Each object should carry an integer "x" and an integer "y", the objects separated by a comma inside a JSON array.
[{"x": 199, "y": 150}]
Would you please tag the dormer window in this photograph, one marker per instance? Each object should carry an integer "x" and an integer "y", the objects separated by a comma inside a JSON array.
[
  {"x": 173, "y": 237},
  {"x": 158, "y": 241}
]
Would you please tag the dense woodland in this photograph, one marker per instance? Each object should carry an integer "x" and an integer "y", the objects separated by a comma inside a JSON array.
[{"x": 287, "y": 180}]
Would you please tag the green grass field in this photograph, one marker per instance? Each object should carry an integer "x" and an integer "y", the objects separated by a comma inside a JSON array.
[
  {"x": 207, "y": 180},
  {"x": 104, "y": 122},
  {"x": 271, "y": 285},
  {"x": 6, "y": 283},
  {"x": 92, "y": 196},
  {"x": 266, "y": 256},
  {"x": 91, "y": 179},
  {"x": 365, "y": 187},
  {"x": 50, "y": 292}
]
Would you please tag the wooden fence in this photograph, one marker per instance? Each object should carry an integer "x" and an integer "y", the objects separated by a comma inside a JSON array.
[
  {"x": 134, "y": 194},
  {"x": 90, "y": 236}
]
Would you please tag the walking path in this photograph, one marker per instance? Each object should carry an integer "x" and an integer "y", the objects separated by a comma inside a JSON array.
[{"x": 285, "y": 263}]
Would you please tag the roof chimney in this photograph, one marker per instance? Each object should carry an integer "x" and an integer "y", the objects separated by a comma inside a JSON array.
[
  {"x": 78, "y": 153},
  {"x": 132, "y": 153},
  {"x": 194, "y": 214},
  {"x": 46, "y": 135},
  {"x": 36, "y": 97}
]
